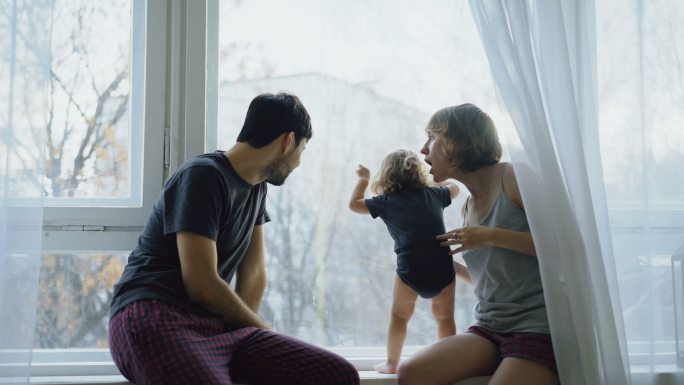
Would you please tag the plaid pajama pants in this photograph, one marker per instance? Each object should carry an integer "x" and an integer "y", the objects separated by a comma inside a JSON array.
[
  {"x": 532, "y": 346},
  {"x": 153, "y": 342}
]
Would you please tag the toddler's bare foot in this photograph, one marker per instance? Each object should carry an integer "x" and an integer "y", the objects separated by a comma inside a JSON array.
[{"x": 387, "y": 367}]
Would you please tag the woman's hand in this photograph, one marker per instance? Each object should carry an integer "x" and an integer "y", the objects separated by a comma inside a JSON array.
[
  {"x": 470, "y": 237},
  {"x": 363, "y": 172}
]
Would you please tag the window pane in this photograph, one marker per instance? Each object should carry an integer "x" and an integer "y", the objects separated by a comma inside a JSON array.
[
  {"x": 641, "y": 95},
  {"x": 371, "y": 74},
  {"x": 89, "y": 131},
  {"x": 74, "y": 293},
  {"x": 641, "y": 102}
]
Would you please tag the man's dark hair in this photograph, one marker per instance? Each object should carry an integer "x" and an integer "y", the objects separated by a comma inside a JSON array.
[{"x": 271, "y": 115}]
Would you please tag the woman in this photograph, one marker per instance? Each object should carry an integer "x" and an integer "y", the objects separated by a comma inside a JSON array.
[{"x": 509, "y": 339}]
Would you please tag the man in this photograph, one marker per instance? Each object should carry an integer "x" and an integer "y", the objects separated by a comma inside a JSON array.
[{"x": 174, "y": 317}]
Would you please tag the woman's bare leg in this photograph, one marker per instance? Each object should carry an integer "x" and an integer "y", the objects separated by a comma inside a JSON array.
[
  {"x": 443, "y": 311},
  {"x": 519, "y": 371},
  {"x": 449, "y": 360},
  {"x": 403, "y": 305}
]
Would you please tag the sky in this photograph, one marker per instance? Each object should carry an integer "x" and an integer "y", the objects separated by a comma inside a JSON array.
[{"x": 429, "y": 55}]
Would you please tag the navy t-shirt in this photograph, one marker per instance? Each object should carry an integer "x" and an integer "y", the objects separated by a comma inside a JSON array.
[
  {"x": 204, "y": 196},
  {"x": 412, "y": 215}
]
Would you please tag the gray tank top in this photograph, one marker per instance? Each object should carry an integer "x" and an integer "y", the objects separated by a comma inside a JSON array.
[{"x": 508, "y": 285}]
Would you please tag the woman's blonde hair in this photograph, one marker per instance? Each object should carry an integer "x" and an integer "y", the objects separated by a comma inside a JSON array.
[{"x": 400, "y": 169}]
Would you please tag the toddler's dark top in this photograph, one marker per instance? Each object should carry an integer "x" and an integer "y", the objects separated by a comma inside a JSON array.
[{"x": 414, "y": 217}]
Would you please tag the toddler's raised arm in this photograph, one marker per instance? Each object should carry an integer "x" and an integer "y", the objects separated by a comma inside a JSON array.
[{"x": 357, "y": 203}]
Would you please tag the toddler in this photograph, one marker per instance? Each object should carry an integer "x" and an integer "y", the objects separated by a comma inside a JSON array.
[{"x": 412, "y": 207}]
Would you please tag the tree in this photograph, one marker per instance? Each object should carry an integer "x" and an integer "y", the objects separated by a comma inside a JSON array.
[
  {"x": 86, "y": 155},
  {"x": 90, "y": 94}
]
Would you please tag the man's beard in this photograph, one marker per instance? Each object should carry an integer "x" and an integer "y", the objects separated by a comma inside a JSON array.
[{"x": 277, "y": 172}]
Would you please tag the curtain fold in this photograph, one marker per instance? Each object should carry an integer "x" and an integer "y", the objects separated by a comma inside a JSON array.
[
  {"x": 24, "y": 74},
  {"x": 542, "y": 57}
]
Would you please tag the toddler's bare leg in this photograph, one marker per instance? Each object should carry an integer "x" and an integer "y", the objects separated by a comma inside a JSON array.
[
  {"x": 443, "y": 311},
  {"x": 403, "y": 305}
]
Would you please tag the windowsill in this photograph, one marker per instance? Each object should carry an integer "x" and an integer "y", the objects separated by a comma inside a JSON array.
[
  {"x": 367, "y": 378},
  {"x": 95, "y": 367},
  {"x": 675, "y": 376},
  {"x": 644, "y": 377}
]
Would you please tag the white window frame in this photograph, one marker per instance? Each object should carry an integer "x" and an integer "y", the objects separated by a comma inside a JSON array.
[
  {"x": 71, "y": 228},
  {"x": 168, "y": 73},
  {"x": 665, "y": 226},
  {"x": 187, "y": 81}
]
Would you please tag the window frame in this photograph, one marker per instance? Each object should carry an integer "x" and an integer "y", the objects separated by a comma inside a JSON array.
[
  {"x": 171, "y": 77},
  {"x": 70, "y": 228}
]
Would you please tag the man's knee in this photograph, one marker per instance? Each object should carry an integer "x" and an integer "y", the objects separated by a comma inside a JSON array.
[{"x": 347, "y": 374}]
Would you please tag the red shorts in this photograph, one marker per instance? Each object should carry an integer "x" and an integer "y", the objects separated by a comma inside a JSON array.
[{"x": 536, "y": 347}]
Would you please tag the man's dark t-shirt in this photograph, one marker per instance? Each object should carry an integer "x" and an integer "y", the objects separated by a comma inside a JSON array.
[{"x": 204, "y": 196}]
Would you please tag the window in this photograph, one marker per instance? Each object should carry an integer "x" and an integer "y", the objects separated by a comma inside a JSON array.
[
  {"x": 128, "y": 100},
  {"x": 92, "y": 133},
  {"x": 104, "y": 160},
  {"x": 96, "y": 173},
  {"x": 74, "y": 293},
  {"x": 370, "y": 74},
  {"x": 640, "y": 112}
]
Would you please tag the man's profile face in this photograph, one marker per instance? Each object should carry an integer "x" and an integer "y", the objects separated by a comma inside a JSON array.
[{"x": 281, "y": 168}]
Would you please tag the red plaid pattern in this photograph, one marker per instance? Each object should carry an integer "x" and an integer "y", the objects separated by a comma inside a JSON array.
[
  {"x": 153, "y": 342},
  {"x": 532, "y": 346}
]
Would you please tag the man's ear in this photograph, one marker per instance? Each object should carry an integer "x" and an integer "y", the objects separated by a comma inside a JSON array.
[{"x": 288, "y": 141}]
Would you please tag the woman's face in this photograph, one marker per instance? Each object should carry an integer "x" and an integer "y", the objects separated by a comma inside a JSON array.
[{"x": 435, "y": 156}]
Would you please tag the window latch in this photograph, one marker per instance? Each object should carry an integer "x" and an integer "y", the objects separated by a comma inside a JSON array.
[{"x": 83, "y": 228}]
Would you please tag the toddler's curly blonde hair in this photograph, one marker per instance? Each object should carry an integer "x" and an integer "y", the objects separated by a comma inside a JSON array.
[{"x": 400, "y": 169}]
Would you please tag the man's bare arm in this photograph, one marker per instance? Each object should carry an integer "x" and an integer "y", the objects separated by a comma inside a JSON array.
[
  {"x": 203, "y": 284},
  {"x": 251, "y": 275}
]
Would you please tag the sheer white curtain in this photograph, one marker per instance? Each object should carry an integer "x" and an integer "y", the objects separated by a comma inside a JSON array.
[
  {"x": 641, "y": 109},
  {"x": 24, "y": 73},
  {"x": 542, "y": 56}
]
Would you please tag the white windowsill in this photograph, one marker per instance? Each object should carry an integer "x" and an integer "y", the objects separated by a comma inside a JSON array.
[
  {"x": 367, "y": 378},
  {"x": 643, "y": 377},
  {"x": 673, "y": 376},
  {"x": 95, "y": 367}
]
